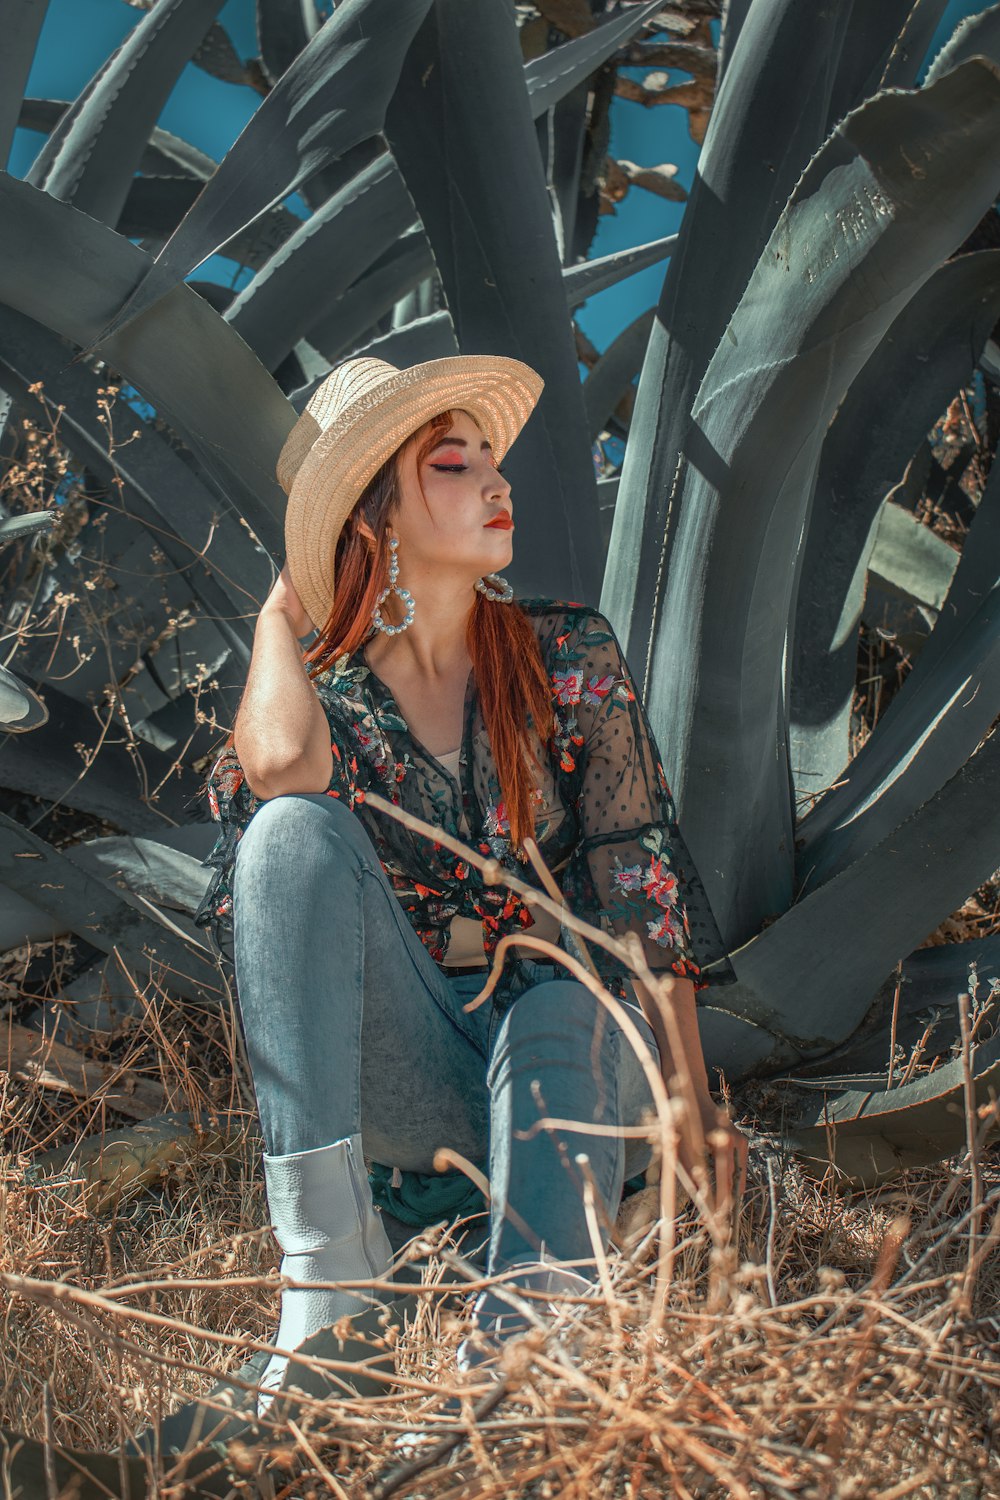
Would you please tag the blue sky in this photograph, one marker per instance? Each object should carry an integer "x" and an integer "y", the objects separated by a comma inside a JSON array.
[{"x": 78, "y": 35}]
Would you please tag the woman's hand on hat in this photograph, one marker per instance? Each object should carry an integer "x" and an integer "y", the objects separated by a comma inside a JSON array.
[{"x": 284, "y": 597}]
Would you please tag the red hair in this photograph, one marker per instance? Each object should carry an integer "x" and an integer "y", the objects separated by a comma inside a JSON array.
[{"x": 514, "y": 689}]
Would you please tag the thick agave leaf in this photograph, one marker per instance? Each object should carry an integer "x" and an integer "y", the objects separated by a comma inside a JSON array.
[
  {"x": 879, "y": 38},
  {"x": 325, "y": 255},
  {"x": 739, "y": 1048},
  {"x": 592, "y": 276},
  {"x": 159, "y": 488},
  {"x": 264, "y": 237},
  {"x": 164, "y": 154},
  {"x": 561, "y": 133},
  {"x": 153, "y": 672},
  {"x": 933, "y": 723},
  {"x": 46, "y": 765},
  {"x": 734, "y": 14},
  {"x": 101, "y": 149},
  {"x": 791, "y": 983},
  {"x": 860, "y": 236},
  {"x": 355, "y": 313},
  {"x": 772, "y": 111},
  {"x": 870, "y": 1132},
  {"x": 108, "y": 919},
  {"x": 975, "y": 577},
  {"x": 39, "y": 169},
  {"x": 976, "y": 36},
  {"x": 133, "y": 612},
  {"x": 20, "y": 24},
  {"x": 915, "y": 37},
  {"x": 68, "y": 272},
  {"x": 20, "y": 708},
  {"x": 19, "y": 528},
  {"x": 217, "y": 56},
  {"x": 332, "y": 97},
  {"x": 156, "y": 205},
  {"x": 170, "y": 878},
  {"x": 927, "y": 355},
  {"x": 284, "y": 29},
  {"x": 912, "y": 558},
  {"x": 555, "y": 74},
  {"x": 460, "y": 126},
  {"x": 38, "y": 1468},
  {"x": 326, "y": 1344},
  {"x": 432, "y": 337},
  {"x": 418, "y": 303},
  {"x": 622, "y": 359},
  {"x": 924, "y": 1020},
  {"x": 22, "y": 922},
  {"x": 187, "y": 1437},
  {"x": 168, "y": 153},
  {"x": 221, "y": 567}
]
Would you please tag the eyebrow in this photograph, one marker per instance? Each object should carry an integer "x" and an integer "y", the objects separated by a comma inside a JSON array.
[{"x": 457, "y": 442}]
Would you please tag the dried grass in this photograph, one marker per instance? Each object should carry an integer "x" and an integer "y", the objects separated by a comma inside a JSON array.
[{"x": 831, "y": 1348}]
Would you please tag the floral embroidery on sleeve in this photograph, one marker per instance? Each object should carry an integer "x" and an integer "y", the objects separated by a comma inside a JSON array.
[
  {"x": 626, "y": 865},
  {"x": 660, "y": 889}
]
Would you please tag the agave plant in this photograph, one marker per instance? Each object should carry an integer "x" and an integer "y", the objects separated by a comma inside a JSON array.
[
  {"x": 822, "y": 305},
  {"x": 20, "y": 708}
]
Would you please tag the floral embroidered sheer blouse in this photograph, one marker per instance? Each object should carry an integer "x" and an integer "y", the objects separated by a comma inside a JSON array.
[{"x": 605, "y": 818}]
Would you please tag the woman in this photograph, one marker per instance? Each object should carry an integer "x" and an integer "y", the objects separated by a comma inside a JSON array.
[{"x": 357, "y": 943}]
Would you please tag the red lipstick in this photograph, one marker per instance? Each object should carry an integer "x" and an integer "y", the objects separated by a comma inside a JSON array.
[{"x": 502, "y": 523}]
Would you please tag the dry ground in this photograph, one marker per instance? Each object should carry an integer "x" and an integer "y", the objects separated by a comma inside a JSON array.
[{"x": 840, "y": 1346}]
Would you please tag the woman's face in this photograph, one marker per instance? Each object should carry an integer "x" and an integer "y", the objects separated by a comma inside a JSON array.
[{"x": 465, "y": 491}]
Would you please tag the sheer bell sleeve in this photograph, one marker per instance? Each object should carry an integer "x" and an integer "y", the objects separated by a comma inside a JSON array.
[{"x": 631, "y": 865}]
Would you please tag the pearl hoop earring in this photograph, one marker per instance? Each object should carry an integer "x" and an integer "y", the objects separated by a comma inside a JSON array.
[
  {"x": 501, "y": 598},
  {"x": 406, "y": 598}
]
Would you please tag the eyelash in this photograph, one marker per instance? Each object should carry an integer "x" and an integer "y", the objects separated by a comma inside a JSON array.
[{"x": 458, "y": 468}]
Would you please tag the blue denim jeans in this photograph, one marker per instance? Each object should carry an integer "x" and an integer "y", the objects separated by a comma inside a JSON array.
[{"x": 351, "y": 1026}]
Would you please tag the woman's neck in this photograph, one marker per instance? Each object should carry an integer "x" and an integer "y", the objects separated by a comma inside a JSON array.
[{"x": 433, "y": 649}]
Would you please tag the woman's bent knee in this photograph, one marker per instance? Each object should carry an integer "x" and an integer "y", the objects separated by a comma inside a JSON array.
[
  {"x": 563, "y": 1006},
  {"x": 557, "y": 1019},
  {"x": 293, "y": 821},
  {"x": 561, "y": 1017}
]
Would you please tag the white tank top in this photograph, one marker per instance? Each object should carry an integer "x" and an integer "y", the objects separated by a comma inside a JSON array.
[{"x": 466, "y": 944}]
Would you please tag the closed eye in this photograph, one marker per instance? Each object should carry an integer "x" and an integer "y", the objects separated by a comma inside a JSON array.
[{"x": 458, "y": 468}]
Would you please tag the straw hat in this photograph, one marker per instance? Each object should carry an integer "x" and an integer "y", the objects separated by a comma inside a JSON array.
[{"x": 356, "y": 419}]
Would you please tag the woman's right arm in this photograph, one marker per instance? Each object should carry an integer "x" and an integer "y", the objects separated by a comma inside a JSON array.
[{"x": 282, "y": 736}]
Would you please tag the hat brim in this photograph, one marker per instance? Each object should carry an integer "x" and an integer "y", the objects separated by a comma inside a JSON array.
[{"x": 498, "y": 392}]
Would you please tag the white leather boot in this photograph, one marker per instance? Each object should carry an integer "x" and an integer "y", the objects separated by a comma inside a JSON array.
[{"x": 320, "y": 1204}]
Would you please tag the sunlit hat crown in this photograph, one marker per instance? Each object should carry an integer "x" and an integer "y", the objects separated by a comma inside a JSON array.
[{"x": 356, "y": 419}]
